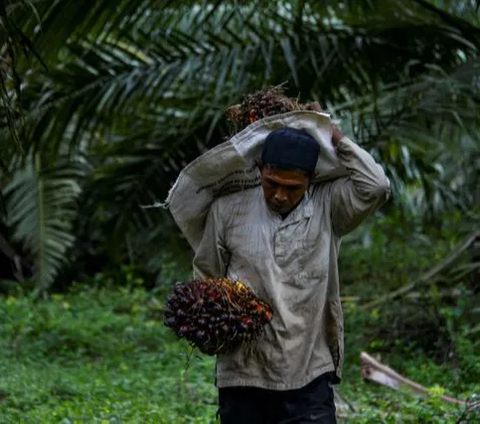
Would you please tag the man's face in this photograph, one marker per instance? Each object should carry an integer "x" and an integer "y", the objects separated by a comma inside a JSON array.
[{"x": 283, "y": 188}]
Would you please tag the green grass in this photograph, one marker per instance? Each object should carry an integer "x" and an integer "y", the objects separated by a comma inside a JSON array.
[
  {"x": 98, "y": 356},
  {"x": 104, "y": 356}
]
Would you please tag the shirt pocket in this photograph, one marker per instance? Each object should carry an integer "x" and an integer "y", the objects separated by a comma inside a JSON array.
[{"x": 316, "y": 250}]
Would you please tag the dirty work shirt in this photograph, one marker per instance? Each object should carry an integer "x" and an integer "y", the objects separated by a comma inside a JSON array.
[{"x": 293, "y": 264}]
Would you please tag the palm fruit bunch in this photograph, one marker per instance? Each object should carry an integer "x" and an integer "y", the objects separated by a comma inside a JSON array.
[
  {"x": 216, "y": 315},
  {"x": 261, "y": 104}
]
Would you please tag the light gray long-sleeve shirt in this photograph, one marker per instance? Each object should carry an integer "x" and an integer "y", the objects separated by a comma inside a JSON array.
[{"x": 293, "y": 264}]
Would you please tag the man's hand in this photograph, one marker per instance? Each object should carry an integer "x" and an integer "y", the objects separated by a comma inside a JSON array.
[{"x": 337, "y": 134}]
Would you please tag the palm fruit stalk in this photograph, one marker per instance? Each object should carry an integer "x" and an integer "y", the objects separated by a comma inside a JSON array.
[
  {"x": 261, "y": 104},
  {"x": 216, "y": 315}
]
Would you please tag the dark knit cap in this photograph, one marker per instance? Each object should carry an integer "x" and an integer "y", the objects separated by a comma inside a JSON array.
[{"x": 289, "y": 148}]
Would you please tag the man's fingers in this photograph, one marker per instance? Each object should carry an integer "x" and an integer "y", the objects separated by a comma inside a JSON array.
[{"x": 314, "y": 106}]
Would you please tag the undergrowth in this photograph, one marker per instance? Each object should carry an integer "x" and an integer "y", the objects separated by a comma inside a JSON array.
[{"x": 102, "y": 355}]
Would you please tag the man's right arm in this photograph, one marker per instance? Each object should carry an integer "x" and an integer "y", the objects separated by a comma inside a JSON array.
[{"x": 211, "y": 257}]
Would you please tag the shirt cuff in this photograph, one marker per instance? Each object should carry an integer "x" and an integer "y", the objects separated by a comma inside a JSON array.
[{"x": 343, "y": 143}]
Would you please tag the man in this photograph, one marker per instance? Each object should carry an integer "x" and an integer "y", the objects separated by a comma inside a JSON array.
[{"x": 283, "y": 240}]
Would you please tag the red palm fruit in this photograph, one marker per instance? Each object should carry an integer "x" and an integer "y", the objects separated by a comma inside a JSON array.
[
  {"x": 170, "y": 321},
  {"x": 216, "y": 315},
  {"x": 183, "y": 330},
  {"x": 247, "y": 321}
]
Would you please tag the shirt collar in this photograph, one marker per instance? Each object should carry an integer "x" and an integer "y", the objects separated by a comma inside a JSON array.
[{"x": 302, "y": 211}]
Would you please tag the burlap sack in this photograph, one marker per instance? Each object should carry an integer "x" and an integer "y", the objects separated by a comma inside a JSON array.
[{"x": 232, "y": 166}]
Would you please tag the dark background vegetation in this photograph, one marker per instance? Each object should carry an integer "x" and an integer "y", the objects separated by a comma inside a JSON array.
[{"x": 103, "y": 103}]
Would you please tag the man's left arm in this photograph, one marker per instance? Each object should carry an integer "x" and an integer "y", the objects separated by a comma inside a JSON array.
[{"x": 365, "y": 189}]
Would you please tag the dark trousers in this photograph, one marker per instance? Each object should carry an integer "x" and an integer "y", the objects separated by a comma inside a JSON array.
[{"x": 249, "y": 405}]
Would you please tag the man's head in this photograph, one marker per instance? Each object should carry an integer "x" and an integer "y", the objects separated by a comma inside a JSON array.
[{"x": 289, "y": 158}]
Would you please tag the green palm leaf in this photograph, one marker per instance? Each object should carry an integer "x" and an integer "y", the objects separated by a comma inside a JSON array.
[
  {"x": 140, "y": 87},
  {"x": 412, "y": 129},
  {"x": 40, "y": 206}
]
